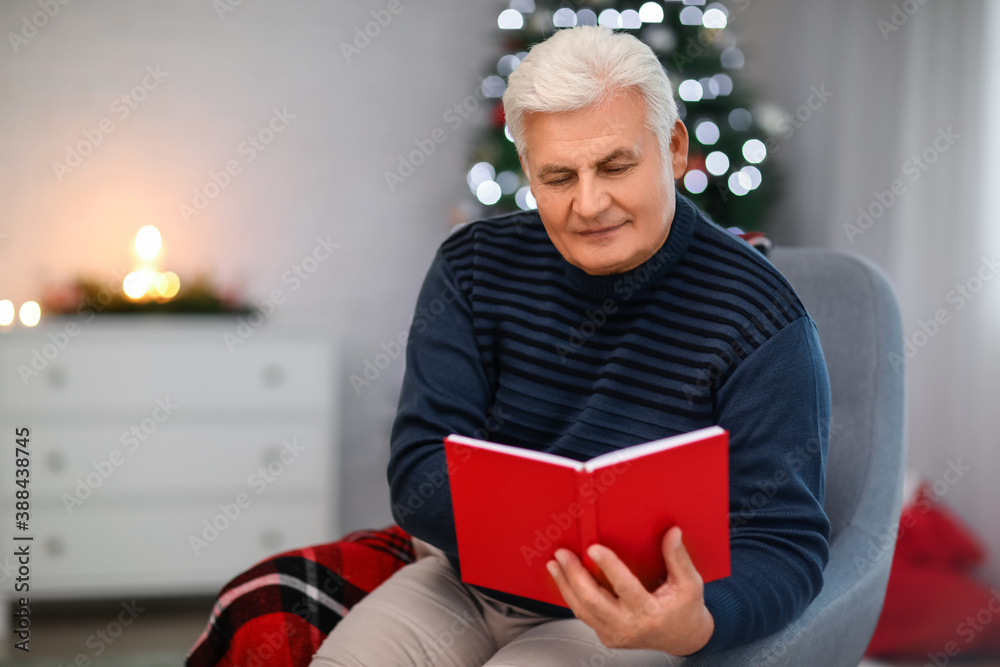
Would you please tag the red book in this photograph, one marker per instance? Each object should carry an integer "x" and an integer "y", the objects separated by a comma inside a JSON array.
[{"x": 514, "y": 507}]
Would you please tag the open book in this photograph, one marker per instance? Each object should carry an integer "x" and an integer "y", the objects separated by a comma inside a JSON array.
[{"x": 514, "y": 507}]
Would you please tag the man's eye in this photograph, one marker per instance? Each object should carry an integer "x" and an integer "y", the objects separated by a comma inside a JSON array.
[
  {"x": 558, "y": 182},
  {"x": 618, "y": 170}
]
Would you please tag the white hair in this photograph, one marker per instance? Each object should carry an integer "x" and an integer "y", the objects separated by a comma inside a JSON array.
[{"x": 585, "y": 65}]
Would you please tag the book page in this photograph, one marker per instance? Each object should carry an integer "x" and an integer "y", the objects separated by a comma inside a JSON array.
[
  {"x": 521, "y": 452},
  {"x": 644, "y": 449}
]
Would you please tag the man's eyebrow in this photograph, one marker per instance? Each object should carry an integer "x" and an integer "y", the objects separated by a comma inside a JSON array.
[{"x": 617, "y": 154}]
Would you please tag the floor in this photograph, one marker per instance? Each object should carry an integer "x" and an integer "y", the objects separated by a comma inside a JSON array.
[
  {"x": 955, "y": 661},
  {"x": 159, "y": 634}
]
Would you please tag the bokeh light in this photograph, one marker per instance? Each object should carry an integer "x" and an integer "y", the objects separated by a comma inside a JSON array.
[
  {"x": 30, "y": 313},
  {"x": 148, "y": 242},
  {"x": 6, "y": 312}
]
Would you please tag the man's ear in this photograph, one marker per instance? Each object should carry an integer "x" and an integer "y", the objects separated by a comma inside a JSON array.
[
  {"x": 524, "y": 167},
  {"x": 679, "y": 149}
]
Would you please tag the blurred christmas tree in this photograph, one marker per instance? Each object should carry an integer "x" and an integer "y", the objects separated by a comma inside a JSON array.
[{"x": 728, "y": 175}]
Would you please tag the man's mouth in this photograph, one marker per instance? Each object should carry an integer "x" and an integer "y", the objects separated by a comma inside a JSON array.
[{"x": 601, "y": 231}]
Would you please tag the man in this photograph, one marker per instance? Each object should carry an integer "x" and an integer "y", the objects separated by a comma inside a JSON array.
[{"x": 614, "y": 315}]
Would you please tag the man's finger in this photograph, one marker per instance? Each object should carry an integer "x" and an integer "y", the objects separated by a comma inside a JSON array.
[
  {"x": 627, "y": 586},
  {"x": 564, "y": 586},
  {"x": 596, "y": 599},
  {"x": 679, "y": 564}
]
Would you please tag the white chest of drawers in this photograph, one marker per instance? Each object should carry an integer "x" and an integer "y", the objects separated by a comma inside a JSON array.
[{"x": 161, "y": 461}]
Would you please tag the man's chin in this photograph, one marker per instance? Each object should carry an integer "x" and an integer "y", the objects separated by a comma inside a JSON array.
[{"x": 601, "y": 266}]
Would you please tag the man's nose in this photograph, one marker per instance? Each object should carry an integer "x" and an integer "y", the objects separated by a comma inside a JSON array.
[{"x": 592, "y": 197}]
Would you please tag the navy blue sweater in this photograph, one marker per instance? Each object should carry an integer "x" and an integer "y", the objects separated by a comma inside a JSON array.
[{"x": 512, "y": 343}]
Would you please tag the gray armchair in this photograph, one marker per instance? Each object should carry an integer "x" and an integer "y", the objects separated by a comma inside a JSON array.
[{"x": 855, "y": 310}]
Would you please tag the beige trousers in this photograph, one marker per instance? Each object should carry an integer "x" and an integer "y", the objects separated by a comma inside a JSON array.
[{"x": 424, "y": 615}]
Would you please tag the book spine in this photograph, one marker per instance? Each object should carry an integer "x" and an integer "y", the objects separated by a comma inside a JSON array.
[{"x": 588, "y": 517}]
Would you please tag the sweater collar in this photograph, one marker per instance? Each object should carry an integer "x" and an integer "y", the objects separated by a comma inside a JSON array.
[{"x": 637, "y": 279}]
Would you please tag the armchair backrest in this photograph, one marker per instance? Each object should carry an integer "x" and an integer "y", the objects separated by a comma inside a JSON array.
[{"x": 857, "y": 316}]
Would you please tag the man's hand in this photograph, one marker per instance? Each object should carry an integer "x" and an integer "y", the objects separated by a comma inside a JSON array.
[{"x": 673, "y": 618}]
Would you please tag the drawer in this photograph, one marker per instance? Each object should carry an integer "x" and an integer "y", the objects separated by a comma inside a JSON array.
[
  {"x": 108, "y": 462},
  {"x": 149, "y": 549},
  {"x": 97, "y": 371}
]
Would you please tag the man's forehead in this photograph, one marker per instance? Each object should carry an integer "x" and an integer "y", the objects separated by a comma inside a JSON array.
[{"x": 615, "y": 129}]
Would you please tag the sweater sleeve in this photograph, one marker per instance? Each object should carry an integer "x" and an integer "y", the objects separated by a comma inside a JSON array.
[
  {"x": 445, "y": 390},
  {"x": 776, "y": 406}
]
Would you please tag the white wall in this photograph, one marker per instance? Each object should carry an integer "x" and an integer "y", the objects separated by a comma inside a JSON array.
[{"x": 322, "y": 175}]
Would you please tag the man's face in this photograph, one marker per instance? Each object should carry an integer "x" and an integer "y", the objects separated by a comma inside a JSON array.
[{"x": 598, "y": 180}]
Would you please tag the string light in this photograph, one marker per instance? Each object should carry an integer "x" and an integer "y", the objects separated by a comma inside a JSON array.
[
  {"x": 148, "y": 242},
  {"x": 714, "y": 18},
  {"x": 706, "y": 21},
  {"x": 566, "y": 18},
  {"x": 30, "y": 313},
  {"x": 137, "y": 283},
  {"x": 488, "y": 192},
  {"x": 740, "y": 119},
  {"x": 166, "y": 286},
  {"x": 651, "y": 12},
  {"x": 691, "y": 16},
  {"x": 630, "y": 20},
  {"x": 6, "y": 312},
  {"x": 754, "y": 151},
  {"x": 739, "y": 183},
  {"x": 732, "y": 58},
  {"x": 717, "y": 163},
  {"x": 753, "y": 173},
  {"x": 510, "y": 19},
  {"x": 610, "y": 18},
  {"x": 695, "y": 181},
  {"x": 690, "y": 90},
  {"x": 706, "y": 132}
]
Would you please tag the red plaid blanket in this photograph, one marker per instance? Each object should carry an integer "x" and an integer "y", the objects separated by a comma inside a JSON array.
[{"x": 279, "y": 612}]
